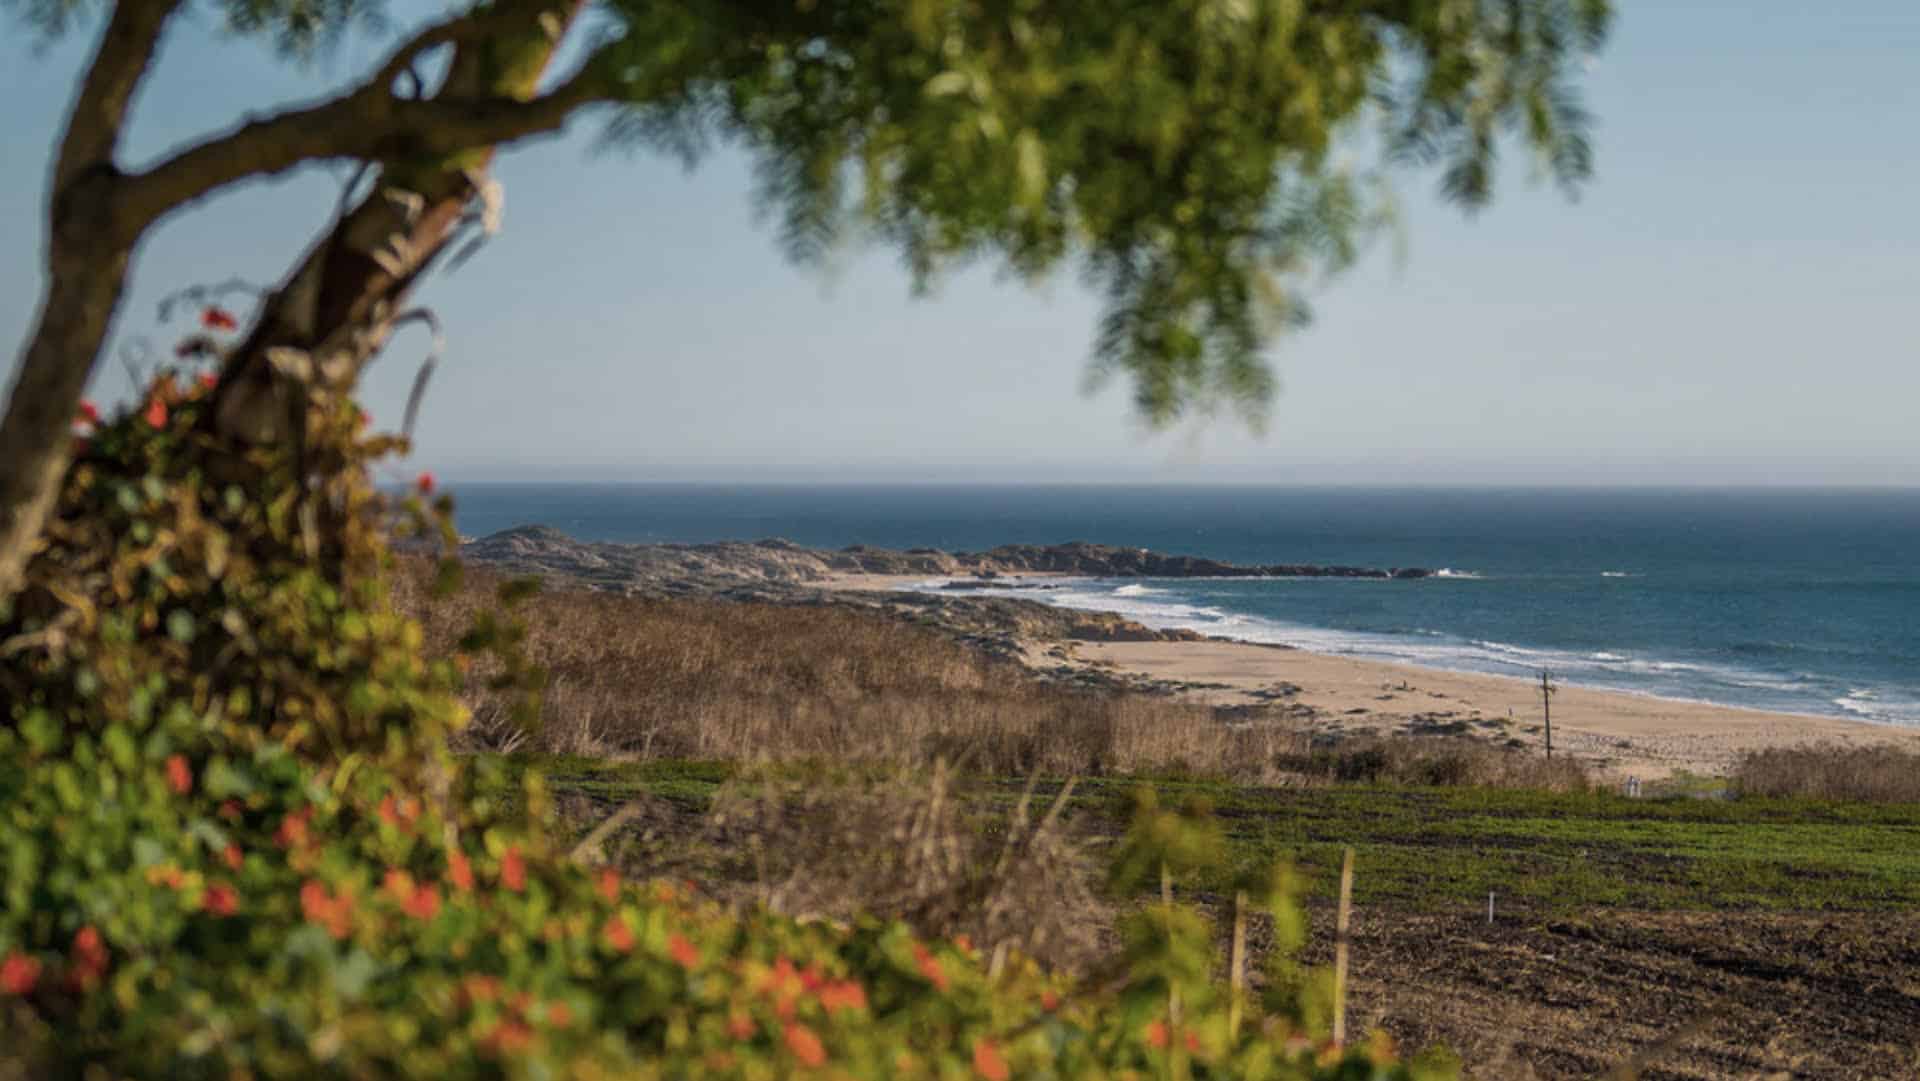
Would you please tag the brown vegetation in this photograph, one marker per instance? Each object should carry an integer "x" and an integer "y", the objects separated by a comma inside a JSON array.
[
  {"x": 735, "y": 681},
  {"x": 1879, "y": 774}
]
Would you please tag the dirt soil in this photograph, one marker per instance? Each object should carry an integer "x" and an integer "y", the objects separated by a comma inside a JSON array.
[{"x": 1732, "y": 995}]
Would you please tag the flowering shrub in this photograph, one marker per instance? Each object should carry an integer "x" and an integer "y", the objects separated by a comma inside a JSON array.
[{"x": 235, "y": 845}]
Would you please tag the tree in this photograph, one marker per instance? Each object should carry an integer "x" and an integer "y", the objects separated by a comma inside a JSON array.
[{"x": 1186, "y": 153}]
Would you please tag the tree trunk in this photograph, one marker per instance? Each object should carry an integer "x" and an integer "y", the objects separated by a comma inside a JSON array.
[
  {"x": 337, "y": 307},
  {"x": 86, "y": 276}
]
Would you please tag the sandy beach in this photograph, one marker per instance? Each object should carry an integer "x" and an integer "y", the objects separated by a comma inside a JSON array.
[
  {"x": 1621, "y": 733},
  {"x": 1617, "y": 732}
]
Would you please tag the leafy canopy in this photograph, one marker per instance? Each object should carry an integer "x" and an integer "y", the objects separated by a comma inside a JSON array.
[{"x": 1190, "y": 156}]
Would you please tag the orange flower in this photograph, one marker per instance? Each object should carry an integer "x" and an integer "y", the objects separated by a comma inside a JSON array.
[
  {"x": 508, "y": 1036},
  {"x": 335, "y": 913},
  {"x": 218, "y": 319},
  {"x": 930, "y": 967},
  {"x": 18, "y": 974},
  {"x": 389, "y": 813},
  {"x": 1156, "y": 1034},
  {"x": 740, "y": 1026},
  {"x": 293, "y": 829},
  {"x": 609, "y": 885},
  {"x": 805, "y": 1045},
  {"x": 684, "y": 953},
  {"x": 179, "y": 774},
  {"x": 156, "y": 414},
  {"x": 1049, "y": 1001},
  {"x": 987, "y": 1061},
  {"x": 843, "y": 995},
  {"x": 513, "y": 870},
  {"x": 460, "y": 871},
  {"x": 616, "y": 934},
  {"x": 220, "y": 899},
  {"x": 234, "y": 857},
  {"x": 398, "y": 884},
  {"x": 481, "y": 988},
  {"x": 423, "y": 903},
  {"x": 559, "y": 1015}
]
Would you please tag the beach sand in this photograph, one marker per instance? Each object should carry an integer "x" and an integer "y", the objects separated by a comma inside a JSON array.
[{"x": 1619, "y": 733}]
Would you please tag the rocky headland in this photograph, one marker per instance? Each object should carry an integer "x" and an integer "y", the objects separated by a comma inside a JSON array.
[{"x": 679, "y": 569}]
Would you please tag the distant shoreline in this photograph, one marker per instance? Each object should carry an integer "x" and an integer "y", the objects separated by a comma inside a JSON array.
[{"x": 1620, "y": 732}]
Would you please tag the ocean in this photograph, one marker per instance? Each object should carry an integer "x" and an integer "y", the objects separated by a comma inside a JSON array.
[{"x": 1799, "y": 600}]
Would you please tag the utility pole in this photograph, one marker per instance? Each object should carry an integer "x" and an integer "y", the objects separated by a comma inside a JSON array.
[{"x": 1546, "y": 705}]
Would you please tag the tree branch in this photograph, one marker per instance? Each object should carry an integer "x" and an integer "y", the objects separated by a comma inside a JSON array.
[
  {"x": 100, "y": 108},
  {"x": 368, "y": 123}
]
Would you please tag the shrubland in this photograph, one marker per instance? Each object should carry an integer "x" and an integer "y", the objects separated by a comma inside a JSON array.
[{"x": 236, "y": 842}]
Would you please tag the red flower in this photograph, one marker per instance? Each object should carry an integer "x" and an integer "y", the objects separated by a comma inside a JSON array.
[
  {"x": 609, "y": 885},
  {"x": 513, "y": 870},
  {"x": 1049, "y": 1001},
  {"x": 616, "y": 934},
  {"x": 230, "y": 810},
  {"x": 220, "y": 899},
  {"x": 293, "y": 829},
  {"x": 335, "y": 913},
  {"x": 89, "y": 954},
  {"x": 684, "y": 953},
  {"x": 740, "y": 1026},
  {"x": 930, "y": 967},
  {"x": 156, "y": 414},
  {"x": 218, "y": 319},
  {"x": 805, "y": 1045},
  {"x": 207, "y": 380},
  {"x": 508, "y": 1036},
  {"x": 987, "y": 1061},
  {"x": 89, "y": 412},
  {"x": 234, "y": 857},
  {"x": 1193, "y": 1042},
  {"x": 559, "y": 1015},
  {"x": 423, "y": 903},
  {"x": 179, "y": 775},
  {"x": 424, "y": 482},
  {"x": 18, "y": 974},
  {"x": 400, "y": 812},
  {"x": 481, "y": 988},
  {"x": 460, "y": 871},
  {"x": 843, "y": 995},
  {"x": 1156, "y": 1034}
]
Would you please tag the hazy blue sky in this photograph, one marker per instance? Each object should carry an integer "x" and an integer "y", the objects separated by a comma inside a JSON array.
[{"x": 1734, "y": 299}]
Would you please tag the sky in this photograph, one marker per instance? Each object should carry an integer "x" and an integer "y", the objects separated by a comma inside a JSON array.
[{"x": 1732, "y": 300}]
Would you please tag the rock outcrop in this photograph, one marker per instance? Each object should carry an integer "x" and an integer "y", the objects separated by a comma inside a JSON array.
[{"x": 728, "y": 565}]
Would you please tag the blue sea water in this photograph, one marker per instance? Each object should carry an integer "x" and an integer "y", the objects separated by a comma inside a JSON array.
[{"x": 1799, "y": 600}]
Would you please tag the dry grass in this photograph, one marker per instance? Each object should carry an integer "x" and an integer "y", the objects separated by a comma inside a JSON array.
[
  {"x": 1826, "y": 771},
  {"x": 754, "y": 682},
  {"x": 718, "y": 680}
]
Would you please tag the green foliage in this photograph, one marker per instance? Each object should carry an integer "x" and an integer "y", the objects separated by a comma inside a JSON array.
[
  {"x": 1192, "y": 154},
  {"x": 234, "y": 842}
]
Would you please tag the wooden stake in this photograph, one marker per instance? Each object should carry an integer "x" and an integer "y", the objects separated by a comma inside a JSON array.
[
  {"x": 1237, "y": 964},
  {"x": 1341, "y": 929}
]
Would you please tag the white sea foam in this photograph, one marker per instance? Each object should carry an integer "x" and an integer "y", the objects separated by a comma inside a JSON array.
[
  {"x": 1166, "y": 607},
  {"x": 1617, "y": 574},
  {"x": 1449, "y": 572}
]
